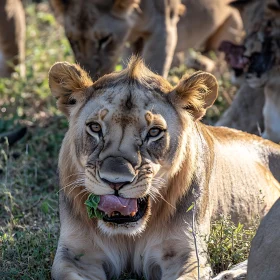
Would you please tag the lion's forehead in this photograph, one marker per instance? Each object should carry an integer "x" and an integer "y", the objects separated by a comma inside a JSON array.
[{"x": 126, "y": 103}]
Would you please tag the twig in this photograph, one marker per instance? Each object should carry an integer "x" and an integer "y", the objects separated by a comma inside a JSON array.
[{"x": 194, "y": 237}]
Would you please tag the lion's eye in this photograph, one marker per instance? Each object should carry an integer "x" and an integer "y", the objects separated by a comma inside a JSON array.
[
  {"x": 154, "y": 132},
  {"x": 95, "y": 127}
]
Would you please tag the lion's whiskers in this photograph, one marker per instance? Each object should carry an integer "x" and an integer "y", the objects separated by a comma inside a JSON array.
[
  {"x": 166, "y": 201},
  {"x": 153, "y": 196},
  {"x": 81, "y": 192},
  {"x": 154, "y": 193},
  {"x": 160, "y": 182},
  {"x": 78, "y": 181},
  {"x": 76, "y": 185},
  {"x": 85, "y": 193},
  {"x": 75, "y": 174}
]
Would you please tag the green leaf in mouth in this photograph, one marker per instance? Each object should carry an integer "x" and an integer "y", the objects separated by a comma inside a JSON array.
[{"x": 92, "y": 204}]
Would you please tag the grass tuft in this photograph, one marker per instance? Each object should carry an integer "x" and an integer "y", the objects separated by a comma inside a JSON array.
[{"x": 229, "y": 244}]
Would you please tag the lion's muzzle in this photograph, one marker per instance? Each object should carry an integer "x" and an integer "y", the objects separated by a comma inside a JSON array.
[{"x": 116, "y": 171}]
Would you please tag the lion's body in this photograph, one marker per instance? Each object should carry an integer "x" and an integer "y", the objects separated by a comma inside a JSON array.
[
  {"x": 224, "y": 171},
  {"x": 151, "y": 29},
  {"x": 264, "y": 258},
  {"x": 12, "y": 37}
]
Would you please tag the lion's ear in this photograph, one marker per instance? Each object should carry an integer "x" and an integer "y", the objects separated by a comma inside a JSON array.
[
  {"x": 195, "y": 93},
  {"x": 68, "y": 84}
]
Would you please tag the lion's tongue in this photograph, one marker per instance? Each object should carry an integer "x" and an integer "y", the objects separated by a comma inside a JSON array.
[{"x": 111, "y": 203}]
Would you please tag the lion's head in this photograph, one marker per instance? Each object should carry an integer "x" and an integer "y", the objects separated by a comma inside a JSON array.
[
  {"x": 127, "y": 139},
  {"x": 261, "y": 22},
  {"x": 96, "y": 30}
]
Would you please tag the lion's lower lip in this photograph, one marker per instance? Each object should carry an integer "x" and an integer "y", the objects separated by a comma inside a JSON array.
[{"x": 120, "y": 219}]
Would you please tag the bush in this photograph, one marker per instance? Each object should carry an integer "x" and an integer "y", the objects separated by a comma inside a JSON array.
[{"x": 229, "y": 244}]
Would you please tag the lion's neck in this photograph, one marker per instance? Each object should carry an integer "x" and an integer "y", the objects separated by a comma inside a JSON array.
[{"x": 193, "y": 175}]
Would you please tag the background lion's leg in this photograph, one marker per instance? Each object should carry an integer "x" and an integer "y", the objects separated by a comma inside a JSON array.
[
  {"x": 187, "y": 269},
  {"x": 177, "y": 258},
  {"x": 159, "y": 48},
  {"x": 12, "y": 36},
  {"x": 245, "y": 112},
  {"x": 133, "y": 48}
]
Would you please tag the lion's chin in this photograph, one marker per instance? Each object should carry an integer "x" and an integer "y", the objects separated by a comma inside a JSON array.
[{"x": 127, "y": 225}]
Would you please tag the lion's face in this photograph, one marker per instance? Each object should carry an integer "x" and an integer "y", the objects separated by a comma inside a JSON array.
[
  {"x": 97, "y": 32},
  {"x": 127, "y": 137},
  {"x": 261, "y": 22}
]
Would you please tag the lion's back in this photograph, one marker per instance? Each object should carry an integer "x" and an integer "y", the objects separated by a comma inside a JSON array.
[{"x": 245, "y": 176}]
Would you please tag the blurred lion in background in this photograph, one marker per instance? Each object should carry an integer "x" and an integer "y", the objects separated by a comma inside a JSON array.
[
  {"x": 258, "y": 62},
  {"x": 12, "y": 37},
  {"x": 100, "y": 31}
]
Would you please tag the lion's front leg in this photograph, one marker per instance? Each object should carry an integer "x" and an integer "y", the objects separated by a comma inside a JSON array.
[
  {"x": 177, "y": 259},
  {"x": 71, "y": 266},
  {"x": 185, "y": 268}
]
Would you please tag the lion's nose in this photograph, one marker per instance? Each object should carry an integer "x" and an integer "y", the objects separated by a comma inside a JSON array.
[
  {"x": 117, "y": 186},
  {"x": 116, "y": 171}
]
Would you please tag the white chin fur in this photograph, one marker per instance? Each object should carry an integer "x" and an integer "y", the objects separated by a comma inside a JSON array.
[{"x": 131, "y": 229}]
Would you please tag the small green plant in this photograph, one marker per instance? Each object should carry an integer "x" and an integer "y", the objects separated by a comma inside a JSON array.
[
  {"x": 92, "y": 204},
  {"x": 229, "y": 244}
]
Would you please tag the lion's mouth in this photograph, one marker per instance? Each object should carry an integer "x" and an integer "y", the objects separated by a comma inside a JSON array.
[{"x": 122, "y": 210}]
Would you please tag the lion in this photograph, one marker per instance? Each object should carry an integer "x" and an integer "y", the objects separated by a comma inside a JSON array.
[
  {"x": 261, "y": 50},
  {"x": 137, "y": 142},
  {"x": 264, "y": 257},
  {"x": 237, "y": 272},
  {"x": 12, "y": 37},
  {"x": 246, "y": 110},
  {"x": 99, "y": 31}
]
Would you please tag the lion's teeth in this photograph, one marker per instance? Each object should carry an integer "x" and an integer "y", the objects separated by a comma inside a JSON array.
[
  {"x": 115, "y": 213},
  {"x": 133, "y": 214}
]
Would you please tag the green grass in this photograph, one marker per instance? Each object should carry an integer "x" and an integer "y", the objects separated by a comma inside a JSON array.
[
  {"x": 229, "y": 244},
  {"x": 29, "y": 224},
  {"x": 28, "y": 181}
]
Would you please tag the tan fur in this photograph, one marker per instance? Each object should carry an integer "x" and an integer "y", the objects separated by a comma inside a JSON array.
[
  {"x": 99, "y": 32},
  {"x": 221, "y": 169},
  {"x": 12, "y": 37}
]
